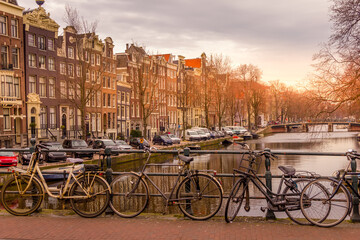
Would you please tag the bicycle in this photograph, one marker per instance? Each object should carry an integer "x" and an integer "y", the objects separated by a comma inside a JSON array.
[
  {"x": 288, "y": 200},
  {"x": 328, "y": 206},
  {"x": 198, "y": 195},
  {"x": 23, "y": 193}
]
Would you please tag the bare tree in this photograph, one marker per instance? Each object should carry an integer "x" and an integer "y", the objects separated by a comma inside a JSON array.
[
  {"x": 82, "y": 88},
  {"x": 221, "y": 69},
  {"x": 249, "y": 76}
]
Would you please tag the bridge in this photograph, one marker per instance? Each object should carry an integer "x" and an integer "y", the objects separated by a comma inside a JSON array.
[{"x": 304, "y": 126}]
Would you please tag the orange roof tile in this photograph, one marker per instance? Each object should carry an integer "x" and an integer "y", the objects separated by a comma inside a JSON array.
[{"x": 194, "y": 63}]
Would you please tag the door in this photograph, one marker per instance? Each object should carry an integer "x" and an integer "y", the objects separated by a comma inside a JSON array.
[
  {"x": 63, "y": 125},
  {"x": 17, "y": 125}
]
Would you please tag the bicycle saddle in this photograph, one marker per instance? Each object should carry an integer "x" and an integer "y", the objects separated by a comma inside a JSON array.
[
  {"x": 91, "y": 167},
  {"x": 75, "y": 160},
  {"x": 186, "y": 159},
  {"x": 288, "y": 170}
]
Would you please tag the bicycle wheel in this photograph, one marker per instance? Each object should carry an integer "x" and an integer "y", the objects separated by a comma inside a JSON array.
[
  {"x": 99, "y": 193},
  {"x": 319, "y": 209},
  {"x": 293, "y": 211},
  {"x": 235, "y": 200},
  {"x": 130, "y": 195},
  {"x": 199, "y": 196},
  {"x": 18, "y": 203}
]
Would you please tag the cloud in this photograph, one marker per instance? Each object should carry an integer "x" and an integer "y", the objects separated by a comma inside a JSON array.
[{"x": 261, "y": 32}]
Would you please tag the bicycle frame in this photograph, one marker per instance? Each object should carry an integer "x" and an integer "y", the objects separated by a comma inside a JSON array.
[
  {"x": 265, "y": 190},
  {"x": 34, "y": 169}
]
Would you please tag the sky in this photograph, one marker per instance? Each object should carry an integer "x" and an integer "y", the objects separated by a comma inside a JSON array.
[{"x": 278, "y": 36}]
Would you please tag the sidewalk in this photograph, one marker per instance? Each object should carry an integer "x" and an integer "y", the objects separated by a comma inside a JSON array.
[{"x": 163, "y": 227}]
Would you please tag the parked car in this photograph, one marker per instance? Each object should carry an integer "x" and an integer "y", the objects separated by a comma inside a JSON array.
[
  {"x": 77, "y": 144},
  {"x": 174, "y": 139},
  {"x": 122, "y": 145},
  {"x": 162, "y": 140},
  {"x": 8, "y": 159},
  {"x": 220, "y": 133},
  {"x": 105, "y": 143},
  {"x": 53, "y": 156},
  {"x": 135, "y": 142},
  {"x": 237, "y": 130},
  {"x": 203, "y": 135},
  {"x": 213, "y": 134},
  {"x": 204, "y": 131},
  {"x": 192, "y": 135},
  {"x": 227, "y": 131}
]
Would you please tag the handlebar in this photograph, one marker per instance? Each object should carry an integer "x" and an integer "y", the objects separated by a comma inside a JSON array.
[
  {"x": 40, "y": 146},
  {"x": 352, "y": 154},
  {"x": 244, "y": 145},
  {"x": 150, "y": 149}
]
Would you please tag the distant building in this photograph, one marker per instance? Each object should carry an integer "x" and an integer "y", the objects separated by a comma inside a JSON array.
[
  {"x": 42, "y": 74},
  {"x": 12, "y": 79}
]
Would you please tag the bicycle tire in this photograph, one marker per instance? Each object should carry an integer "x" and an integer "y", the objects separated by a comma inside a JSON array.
[
  {"x": 22, "y": 204},
  {"x": 97, "y": 203},
  {"x": 294, "y": 211},
  {"x": 204, "y": 202},
  {"x": 126, "y": 201},
  {"x": 315, "y": 198},
  {"x": 234, "y": 202}
]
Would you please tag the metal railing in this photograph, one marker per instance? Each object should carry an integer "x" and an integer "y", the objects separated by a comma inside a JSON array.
[{"x": 106, "y": 162}]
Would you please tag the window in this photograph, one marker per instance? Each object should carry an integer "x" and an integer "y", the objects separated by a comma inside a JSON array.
[
  {"x": 138, "y": 110},
  {"x": 71, "y": 70},
  {"x": 6, "y": 113},
  {"x": 87, "y": 75},
  {"x": 51, "y": 87},
  {"x": 109, "y": 100},
  {"x": 114, "y": 101},
  {"x": 51, "y": 64},
  {"x": 31, "y": 40},
  {"x": 52, "y": 118},
  {"x": 42, "y": 87},
  {"x": 43, "y": 124},
  {"x": 4, "y": 57},
  {"x": 98, "y": 98},
  {"x": 32, "y": 84},
  {"x": 3, "y": 25},
  {"x": 132, "y": 110},
  {"x": 87, "y": 99},
  {"x": 51, "y": 44},
  {"x": 86, "y": 56},
  {"x": 17, "y": 87},
  {"x": 93, "y": 59},
  {"x": 15, "y": 57},
  {"x": 32, "y": 60},
  {"x": 99, "y": 122},
  {"x": 71, "y": 91},
  {"x": 70, "y": 52},
  {"x": 127, "y": 98},
  {"x": 93, "y": 122},
  {"x": 104, "y": 99},
  {"x": 93, "y": 76},
  {"x": 97, "y": 59},
  {"x": 14, "y": 28},
  {"x": 63, "y": 89},
  {"x": 41, "y": 43},
  {"x": 93, "y": 103},
  {"x": 109, "y": 82},
  {"x": 62, "y": 68},
  {"x": 78, "y": 71},
  {"x": 122, "y": 112},
  {"x": 122, "y": 97},
  {"x": 42, "y": 62}
]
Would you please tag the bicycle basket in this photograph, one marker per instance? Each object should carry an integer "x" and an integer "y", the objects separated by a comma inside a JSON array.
[{"x": 249, "y": 163}]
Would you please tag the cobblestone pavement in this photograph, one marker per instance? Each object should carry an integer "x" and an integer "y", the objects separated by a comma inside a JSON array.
[{"x": 163, "y": 227}]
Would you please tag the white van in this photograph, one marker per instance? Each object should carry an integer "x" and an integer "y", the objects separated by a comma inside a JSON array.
[{"x": 192, "y": 135}]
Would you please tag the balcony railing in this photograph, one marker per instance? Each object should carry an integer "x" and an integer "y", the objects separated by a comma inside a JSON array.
[{"x": 10, "y": 101}]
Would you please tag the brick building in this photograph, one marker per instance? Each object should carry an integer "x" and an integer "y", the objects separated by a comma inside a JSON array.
[{"x": 12, "y": 80}]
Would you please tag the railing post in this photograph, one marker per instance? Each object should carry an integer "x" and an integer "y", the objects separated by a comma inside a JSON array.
[
  {"x": 355, "y": 217},
  {"x": 269, "y": 213},
  {"x": 108, "y": 174},
  {"x": 187, "y": 184},
  {"x": 32, "y": 147}
]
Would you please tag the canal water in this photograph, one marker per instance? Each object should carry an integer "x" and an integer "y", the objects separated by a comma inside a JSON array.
[{"x": 317, "y": 140}]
